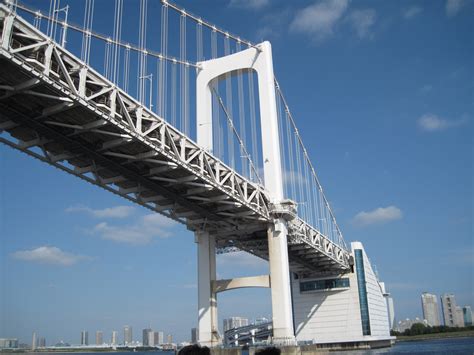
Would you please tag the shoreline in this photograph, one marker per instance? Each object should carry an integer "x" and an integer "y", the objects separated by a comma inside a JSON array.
[{"x": 435, "y": 336}]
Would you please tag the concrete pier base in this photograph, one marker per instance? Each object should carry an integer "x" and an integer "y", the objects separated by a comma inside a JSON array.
[{"x": 310, "y": 349}]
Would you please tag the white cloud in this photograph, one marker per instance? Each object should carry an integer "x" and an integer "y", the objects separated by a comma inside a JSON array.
[
  {"x": 111, "y": 212},
  {"x": 319, "y": 19},
  {"x": 430, "y": 122},
  {"x": 362, "y": 21},
  {"x": 411, "y": 12},
  {"x": 249, "y": 4},
  {"x": 453, "y": 7},
  {"x": 48, "y": 255},
  {"x": 241, "y": 259},
  {"x": 273, "y": 24},
  {"x": 142, "y": 232},
  {"x": 377, "y": 216}
]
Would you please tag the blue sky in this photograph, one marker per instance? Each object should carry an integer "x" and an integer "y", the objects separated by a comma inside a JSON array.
[{"x": 382, "y": 93}]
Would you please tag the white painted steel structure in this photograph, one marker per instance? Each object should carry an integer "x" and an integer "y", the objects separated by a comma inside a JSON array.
[{"x": 56, "y": 108}]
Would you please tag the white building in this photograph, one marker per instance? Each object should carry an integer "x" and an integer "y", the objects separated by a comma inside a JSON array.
[
  {"x": 84, "y": 337},
  {"x": 99, "y": 337},
  {"x": 235, "y": 322},
  {"x": 159, "y": 338},
  {"x": 114, "y": 339},
  {"x": 341, "y": 308},
  {"x": 430, "y": 307},
  {"x": 127, "y": 335},
  {"x": 452, "y": 314},
  {"x": 389, "y": 302}
]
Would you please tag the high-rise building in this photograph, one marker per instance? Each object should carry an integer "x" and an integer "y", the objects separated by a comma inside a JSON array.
[
  {"x": 99, "y": 337},
  {"x": 151, "y": 339},
  {"x": 389, "y": 304},
  {"x": 127, "y": 335},
  {"x": 145, "y": 339},
  {"x": 467, "y": 315},
  {"x": 42, "y": 342},
  {"x": 429, "y": 303},
  {"x": 235, "y": 322},
  {"x": 33, "y": 342},
  {"x": 8, "y": 343},
  {"x": 159, "y": 338},
  {"x": 169, "y": 339},
  {"x": 459, "y": 317},
  {"x": 452, "y": 314},
  {"x": 114, "y": 340},
  {"x": 193, "y": 335},
  {"x": 84, "y": 337}
]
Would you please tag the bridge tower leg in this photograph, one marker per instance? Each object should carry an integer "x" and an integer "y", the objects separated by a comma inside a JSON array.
[
  {"x": 260, "y": 60},
  {"x": 207, "y": 302}
]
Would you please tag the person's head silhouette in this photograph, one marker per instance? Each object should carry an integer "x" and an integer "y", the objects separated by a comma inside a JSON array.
[
  {"x": 268, "y": 351},
  {"x": 195, "y": 350}
]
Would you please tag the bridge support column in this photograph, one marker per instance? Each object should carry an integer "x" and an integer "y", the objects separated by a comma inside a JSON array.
[
  {"x": 208, "y": 334},
  {"x": 283, "y": 332}
]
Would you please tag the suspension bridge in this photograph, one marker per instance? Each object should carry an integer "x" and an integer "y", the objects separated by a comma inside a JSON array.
[{"x": 193, "y": 126}]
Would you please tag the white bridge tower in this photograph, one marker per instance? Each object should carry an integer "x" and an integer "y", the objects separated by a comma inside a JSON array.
[{"x": 260, "y": 60}]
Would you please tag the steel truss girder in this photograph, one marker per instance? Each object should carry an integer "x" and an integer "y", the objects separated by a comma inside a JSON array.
[{"x": 125, "y": 121}]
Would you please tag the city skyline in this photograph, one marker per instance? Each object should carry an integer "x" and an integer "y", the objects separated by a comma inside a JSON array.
[{"x": 374, "y": 134}]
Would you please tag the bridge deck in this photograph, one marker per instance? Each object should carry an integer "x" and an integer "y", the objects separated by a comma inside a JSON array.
[{"x": 64, "y": 113}]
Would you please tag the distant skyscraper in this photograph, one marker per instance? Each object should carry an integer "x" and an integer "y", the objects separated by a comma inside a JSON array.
[
  {"x": 8, "y": 343},
  {"x": 42, "y": 342},
  {"x": 389, "y": 304},
  {"x": 235, "y": 322},
  {"x": 151, "y": 338},
  {"x": 145, "y": 339},
  {"x": 127, "y": 334},
  {"x": 430, "y": 307},
  {"x": 114, "y": 340},
  {"x": 84, "y": 337},
  {"x": 459, "y": 317},
  {"x": 33, "y": 341},
  {"x": 467, "y": 315},
  {"x": 99, "y": 337},
  {"x": 194, "y": 335},
  {"x": 170, "y": 339},
  {"x": 452, "y": 314},
  {"x": 159, "y": 338}
]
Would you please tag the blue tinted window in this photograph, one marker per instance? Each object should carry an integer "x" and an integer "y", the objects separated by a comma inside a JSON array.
[
  {"x": 364, "y": 305},
  {"x": 324, "y": 284}
]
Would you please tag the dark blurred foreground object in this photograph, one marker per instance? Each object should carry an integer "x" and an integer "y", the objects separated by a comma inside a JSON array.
[
  {"x": 194, "y": 350},
  {"x": 268, "y": 351}
]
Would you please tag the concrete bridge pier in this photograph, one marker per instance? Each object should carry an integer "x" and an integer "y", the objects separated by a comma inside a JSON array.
[
  {"x": 283, "y": 332},
  {"x": 208, "y": 334}
]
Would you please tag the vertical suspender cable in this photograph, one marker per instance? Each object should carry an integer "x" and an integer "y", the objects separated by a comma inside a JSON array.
[
  {"x": 143, "y": 55},
  {"x": 162, "y": 62},
  {"x": 242, "y": 126},
  {"x": 56, "y": 18},
  {"x": 216, "y": 108},
  {"x": 199, "y": 42},
  {"x": 86, "y": 35},
  {"x": 253, "y": 120},
  {"x": 173, "y": 94},
  {"x": 117, "y": 38},
  {"x": 299, "y": 176},
  {"x": 283, "y": 150},
  {"x": 291, "y": 158},
  {"x": 184, "y": 75},
  {"x": 228, "y": 92},
  {"x": 126, "y": 69}
]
